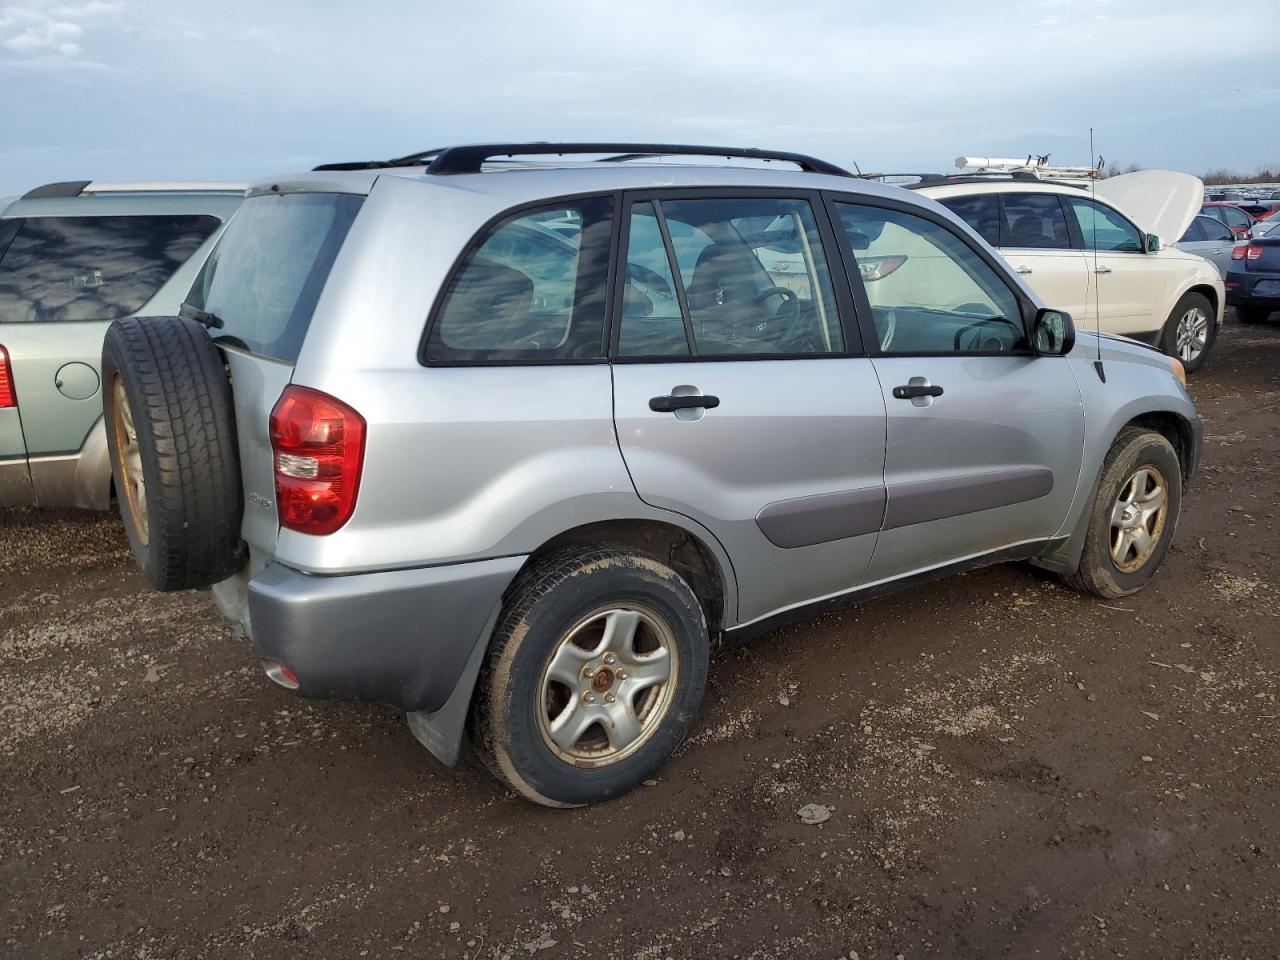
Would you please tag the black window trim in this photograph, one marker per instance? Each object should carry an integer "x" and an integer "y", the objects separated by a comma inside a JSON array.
[
  {"x": 846, "y": 309},
  {"x": 478, "y": 239},
  {"x": 863, "y": 303}
]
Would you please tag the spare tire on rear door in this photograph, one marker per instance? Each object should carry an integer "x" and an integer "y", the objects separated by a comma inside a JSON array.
[{"x": 172, "y": 438}]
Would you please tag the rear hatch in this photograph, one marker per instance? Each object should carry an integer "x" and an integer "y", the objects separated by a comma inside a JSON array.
[{"x": 258, "y": 292}]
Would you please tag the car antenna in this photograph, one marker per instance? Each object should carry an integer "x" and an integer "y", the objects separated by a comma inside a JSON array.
[{"x": 1093, "y": 219}]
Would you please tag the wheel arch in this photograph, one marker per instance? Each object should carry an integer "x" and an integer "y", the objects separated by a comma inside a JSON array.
[{"x": 683, "y": 550}]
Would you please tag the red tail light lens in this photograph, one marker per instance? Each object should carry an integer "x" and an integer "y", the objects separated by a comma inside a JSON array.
[
  {"x": 318, "y": 443},
  {"x": 1253, "y": 252},
  {"x": 8, "y": 397},
  {"x": 1237, "y": 253}
]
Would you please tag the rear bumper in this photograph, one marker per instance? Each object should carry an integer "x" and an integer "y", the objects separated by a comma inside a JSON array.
[
  {"x": 401, "y": 637},
  {"x": 1241, "y": 292}
]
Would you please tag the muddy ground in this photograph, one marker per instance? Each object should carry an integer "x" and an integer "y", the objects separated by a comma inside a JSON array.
[{"x": 1013, "y": 770}]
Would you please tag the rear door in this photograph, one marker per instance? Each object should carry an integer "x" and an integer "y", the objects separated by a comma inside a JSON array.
[
  {"x": 740, "y": 399},
  {"x": 984, "y": 438},
  {"x": 64, "y": 280}
]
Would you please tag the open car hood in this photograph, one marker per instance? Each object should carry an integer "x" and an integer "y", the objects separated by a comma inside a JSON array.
[{"x": 1161, "y": 202}]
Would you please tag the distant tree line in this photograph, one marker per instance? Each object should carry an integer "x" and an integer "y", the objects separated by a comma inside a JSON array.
[
  {"x": 1212, "y": 178},
  {"x": 1264, "y": 175}
]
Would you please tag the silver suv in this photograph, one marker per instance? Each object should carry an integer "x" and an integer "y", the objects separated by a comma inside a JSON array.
[{"x": 514, "y": 445}]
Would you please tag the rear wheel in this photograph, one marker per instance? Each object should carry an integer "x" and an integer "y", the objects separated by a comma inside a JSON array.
[
  {"x": 1253, "y": 314},
  {"x": 1133, "y": 515},
  {"x": 1190, "y": 331},
  {"x": 593, "y": 676}
]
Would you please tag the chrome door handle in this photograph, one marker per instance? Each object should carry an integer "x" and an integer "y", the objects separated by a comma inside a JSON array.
[
  {"x": 1025, "y": 269},
  {"x": 1101, "y": 269}
]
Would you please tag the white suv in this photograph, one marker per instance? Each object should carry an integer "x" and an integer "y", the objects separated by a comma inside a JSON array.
[{"x": 1108, "y": 268}]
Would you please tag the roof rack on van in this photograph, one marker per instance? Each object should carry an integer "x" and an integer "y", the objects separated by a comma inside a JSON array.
[
  {"x": 472, "y": 157},
  {"x": 75, "y": 188}
]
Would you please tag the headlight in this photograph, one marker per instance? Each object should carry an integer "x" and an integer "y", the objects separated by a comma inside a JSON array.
[{"x": 1179, "y": 370}]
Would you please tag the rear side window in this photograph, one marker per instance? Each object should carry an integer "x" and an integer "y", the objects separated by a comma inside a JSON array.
[
  {"x": 66, "y": 269},
  {"x": 1034, "y": 221},
  {"x": 1195, "y": 231},
  {"x": 266, "y": 273},
  {"x": 533, "y": 289},
  {"x": 981, "y": 212}
]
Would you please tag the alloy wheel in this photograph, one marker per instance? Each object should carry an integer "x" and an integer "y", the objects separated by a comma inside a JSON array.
[
  {"x": 1138, "y": 518},
  {"x": 129, "y": 460}
]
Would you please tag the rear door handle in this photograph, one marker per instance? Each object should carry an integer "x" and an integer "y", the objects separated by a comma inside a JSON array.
[
  {"x": 1101, "y": 269},
  {"x": 914, "y": 390},
  {"x": 1025, "y": 269},
  {"x": 672, "y": 404}
]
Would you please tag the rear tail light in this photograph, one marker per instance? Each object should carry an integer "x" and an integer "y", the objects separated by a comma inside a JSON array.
[
  {"x": 8, "y": 397},
  {"x": 318, "y": 443},
  {"x": 1246, "y": 252}
]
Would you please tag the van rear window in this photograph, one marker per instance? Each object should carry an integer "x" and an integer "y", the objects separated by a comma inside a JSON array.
[{"x": 265, "y": 276}]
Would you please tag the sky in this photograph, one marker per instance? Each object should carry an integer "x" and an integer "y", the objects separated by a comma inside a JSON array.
[{"x": 230, "y": 90}]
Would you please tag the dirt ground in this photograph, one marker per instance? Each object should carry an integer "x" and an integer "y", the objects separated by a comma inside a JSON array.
[{"x": 1013, "y": 770}]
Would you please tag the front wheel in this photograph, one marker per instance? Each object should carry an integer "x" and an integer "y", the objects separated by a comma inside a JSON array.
[
  {"x": 593, "y": 676},
  {"x": 1133, "y": 515},
  {"x": 1190, "y": 331}
]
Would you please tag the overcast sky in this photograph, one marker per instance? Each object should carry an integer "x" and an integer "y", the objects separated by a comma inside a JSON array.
[{"x": 230, "y": 90}]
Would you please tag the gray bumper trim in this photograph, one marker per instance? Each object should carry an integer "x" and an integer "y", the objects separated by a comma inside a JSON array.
[{"x": 401, "y": 637}]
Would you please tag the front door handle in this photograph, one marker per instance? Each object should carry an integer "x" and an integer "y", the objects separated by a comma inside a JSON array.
[
  {"x": 1101, "y": 269},
  {"x": 916, "y": 390},
  {"x": 672, "y": 404}
]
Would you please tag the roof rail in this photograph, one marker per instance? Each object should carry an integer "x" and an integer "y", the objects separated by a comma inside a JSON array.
[
  {"x": 472, "y": 157},
  {"x": 64, "y": 188},
  {"x": 76, "y": 188}
]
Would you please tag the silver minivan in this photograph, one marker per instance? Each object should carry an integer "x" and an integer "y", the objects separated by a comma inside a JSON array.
[
  {"x": 515, "y": 443},
  {"x": 74, "y": 256}
]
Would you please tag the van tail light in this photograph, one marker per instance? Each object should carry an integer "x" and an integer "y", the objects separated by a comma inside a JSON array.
[
  {"x": 8, "y": 397},
  {"x": 318, "y": 443}
]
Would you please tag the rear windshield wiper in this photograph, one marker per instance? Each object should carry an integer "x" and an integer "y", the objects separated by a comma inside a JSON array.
[{"x": 210, "y": 320}]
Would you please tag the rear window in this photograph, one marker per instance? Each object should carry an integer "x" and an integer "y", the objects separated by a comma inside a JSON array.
[
  {"x": 266, "y": 273},
  {"x": 66, "y": 269}
]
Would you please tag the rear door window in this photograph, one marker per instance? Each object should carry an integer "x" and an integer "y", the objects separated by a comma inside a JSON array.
[
  {"x": 982, "y": 212},
  {"x": 265, "y": 275},
  {"x": 66, "y": 269},
  {"x": 750, "y": 278},
  {"x": 1034, "y": 221},
  {"x": 532, "y": 290}
]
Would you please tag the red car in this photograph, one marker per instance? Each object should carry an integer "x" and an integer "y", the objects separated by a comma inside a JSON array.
[{"x": 1238, "y": 220}]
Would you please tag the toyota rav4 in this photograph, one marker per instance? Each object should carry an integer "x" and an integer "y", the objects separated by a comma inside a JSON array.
[{"x": 514, "y": 444}]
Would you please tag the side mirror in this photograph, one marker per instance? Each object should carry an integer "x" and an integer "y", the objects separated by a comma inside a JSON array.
[
  {"x": 1154, "y": 245},
  {"x": 1053, "y": 333}
]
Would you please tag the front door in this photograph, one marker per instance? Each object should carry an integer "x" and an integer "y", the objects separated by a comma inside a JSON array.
[
  {"x": 984, "y": 438},
  {"x": 1036, "y": 242},
  {"x": 738, "y": 395}
]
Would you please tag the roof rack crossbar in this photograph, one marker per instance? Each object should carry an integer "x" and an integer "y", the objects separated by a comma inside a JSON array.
[{"x": 471, "y": 158}]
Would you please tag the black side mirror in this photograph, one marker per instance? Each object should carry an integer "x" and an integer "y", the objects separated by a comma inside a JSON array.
[{"x": 1053, "y": 333}]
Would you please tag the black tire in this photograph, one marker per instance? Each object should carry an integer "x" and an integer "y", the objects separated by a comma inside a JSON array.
[
  {"x": 185, "y": 528},
  {"x": 545, "y": 603},
  {"x": 1169, "y": 335},
  {"x": 1253, "y": 314},
  {"x": 1098, "y": 572}
]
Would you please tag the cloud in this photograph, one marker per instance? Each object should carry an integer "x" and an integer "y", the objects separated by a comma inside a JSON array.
[{"x": 45, "y": 33}]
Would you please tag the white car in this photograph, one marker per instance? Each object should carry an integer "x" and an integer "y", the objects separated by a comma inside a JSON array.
[{"x": 1100, "y": 252}]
